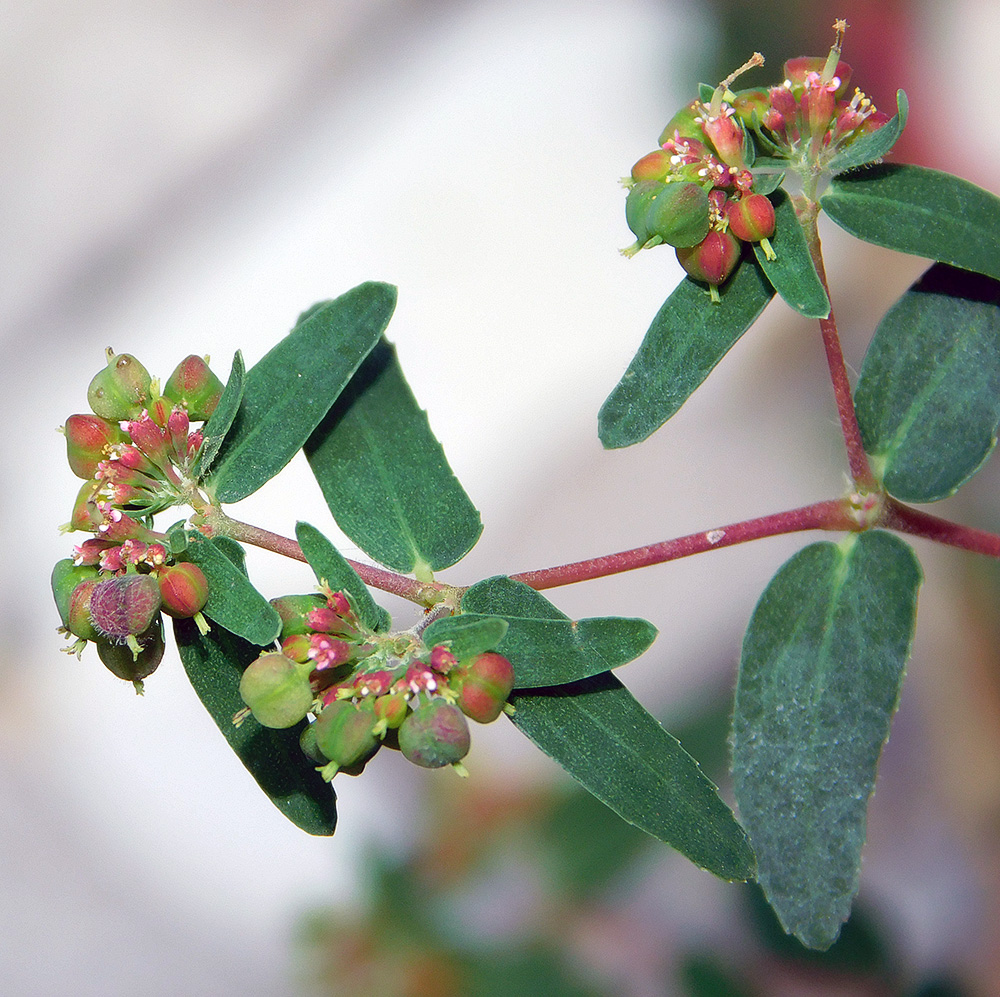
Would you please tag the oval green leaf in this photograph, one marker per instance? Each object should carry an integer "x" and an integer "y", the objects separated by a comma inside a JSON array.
[
  {"x": 289, "y": 391},
  {"x": 791, "y": 271},
  {"x": 689, "y": 336},
  {"x": 605, "y": 739},
  {"x": 220, "y": 421},
  {"x": 919, "y": 211},
  {"x": 928, "y": 397},
  {"x": 820, "y": 675},
  {"x": 873, "y": 146},
  {"x": 385, "y": 477},
  {"x": 466, "y": 635},
  {"x": 544, "y": 645},
  {"x": 330, "y": 567},
  {"x": 214, "y": 664},
  {"x": 233, "y": 603}
]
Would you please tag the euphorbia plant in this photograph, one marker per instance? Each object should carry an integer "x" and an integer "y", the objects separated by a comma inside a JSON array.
[{"x": 308, "y": 686}]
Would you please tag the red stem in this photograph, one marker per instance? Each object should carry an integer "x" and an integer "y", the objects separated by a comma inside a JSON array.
[
  {"x": 906, "y": 519},
  {"x": 857, "y": 459},
  {"x": 831, "y": 515}
]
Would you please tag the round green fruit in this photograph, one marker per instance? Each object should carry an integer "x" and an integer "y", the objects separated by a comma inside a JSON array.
[
  {"x": 434, "y": 735},
  {"x": 277, "y": 690}
]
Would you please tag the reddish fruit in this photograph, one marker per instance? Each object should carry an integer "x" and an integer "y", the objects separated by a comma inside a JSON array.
[
  {"x": 713, "y": 259},
  {"x": 392, "y": 709},
  {"x": 434, "y": 735},
  {"x": 88, "y": 438},
  {"x": 751, "y": 218},
  {"x": 193, "y": 385},
  {"x": 124, "y": 605},
  {"x": 653, "y": 166},
  {"x": 183, "y": 589},
  {"x": 66, "y": 575},
  {"x": 277, "y": 690},
  {"x": 484, "y": 687}
]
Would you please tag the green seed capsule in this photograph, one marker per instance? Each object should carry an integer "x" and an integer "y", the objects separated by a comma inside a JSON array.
[
  {"x": 277, "y": 690},
  {"x": 120, "y": 390},
  {"x": 434, "y": 735},
  {"x": 122, "y": 660}
]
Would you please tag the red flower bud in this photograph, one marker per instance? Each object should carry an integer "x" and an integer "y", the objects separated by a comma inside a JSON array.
[
  {"x": 125, "y": 605},
  {"x": 183, "y": 589},
  {"x": 713, "y": 259},
  {"x": 751, "y": 218},
  {"x": 484, "y": 687}
]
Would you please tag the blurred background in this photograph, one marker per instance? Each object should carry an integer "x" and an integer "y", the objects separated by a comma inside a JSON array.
[{"x": 187, "y": 176}]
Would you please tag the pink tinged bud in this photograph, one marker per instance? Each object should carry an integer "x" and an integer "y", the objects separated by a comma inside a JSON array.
[
  {"x": 111, "y": 560},
  {"x": 117, "y": 526},
  {"x": 653, "y": 166},
  {"x": 193, "y": 385},
  {"x": 178, "y": 425},
  {"x": 322, "y": 619},
  {"x": 88, "y": 438},
  {"x": 713, "y": 259},
  {"x": 434, "y": 735},
  {"x": 125, "y": 605},
  {"x": 156, "y": 554},
  {"x": 183, "y": 589},
  {"x": 799, "y": 70},
  {"x": 751, "y": 218},
  {"x": 296, "y": 647},
  {"x": 873, "y": 122},
  {"x": 149, "y": 438},
  {"x": 90, "y": 551},
  {"x": 783, "y": 102},
  {"x": 340, "y": 604},
  {"x": 442, "y": 660},
  {"x": 375, "y": 683},
  {"x": 195, "y": 441},
  {"x": 277, "y": 690},
  {"x": 774, "y": 121},
  {"x": 86, "y": 516},
  {"x": 727, "y": 137},
  {"x": 419, "y": 678},
  {"x": 744, "y": 182},
  {"x": 120, "y": 390},
  {"x": 818, "y": 105}
]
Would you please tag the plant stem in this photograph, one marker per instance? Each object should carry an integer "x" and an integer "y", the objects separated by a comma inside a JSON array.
[
  {"x": 857, "y": 459},
  {"x": 834, "y": 514},
  {"x": 424, "y": 593},
  {"x": 905, "y": 519}
]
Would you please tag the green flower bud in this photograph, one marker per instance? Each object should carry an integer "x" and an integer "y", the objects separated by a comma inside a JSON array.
[
  {"x": 345, "y": 733},
  {"x": 434, "y": 735},
  {"x": 484, "y": 686},
  {"x": 277, "y": 690},
  {"x": 120, "y": 390},
  {"x": 88, "y": 438},
  {"x": 183, "y": 589},
  {"x": 130, "y": 664},
  {"x": 193, "y": 385},
  {"x": 124, "y": 605}
]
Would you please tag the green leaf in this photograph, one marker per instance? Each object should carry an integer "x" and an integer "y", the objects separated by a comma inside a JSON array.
[
  {"x": 467, "y": 635},
  {"x": 689, "y": 336},
  {"x": 792, "y": 272},
  {"x": 613, "y": 747},
  {"x": 331, "y": 567},
  {"x": 292, "y": 387},
  {"x": 220, "y": 421},
  {"x": 767, "y": 182},
  {"x": 544, "y": 645},
  {"x": 924, "y": 212},
  {"x": 873, "y": 146},
  {"x": 928, "y": 398},
  {"x": 233, "y": 603},
  {"x": 214, "y": 664},
  {"x": 822, "y": 665},
  {"x": 385, "y": 477}
]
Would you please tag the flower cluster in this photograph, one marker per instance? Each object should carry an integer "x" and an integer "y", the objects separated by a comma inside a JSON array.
[
  {"x": 136, "y": 450},
  {"x": 367, "y": 690},
  {"x": 700, "y": 191}
]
